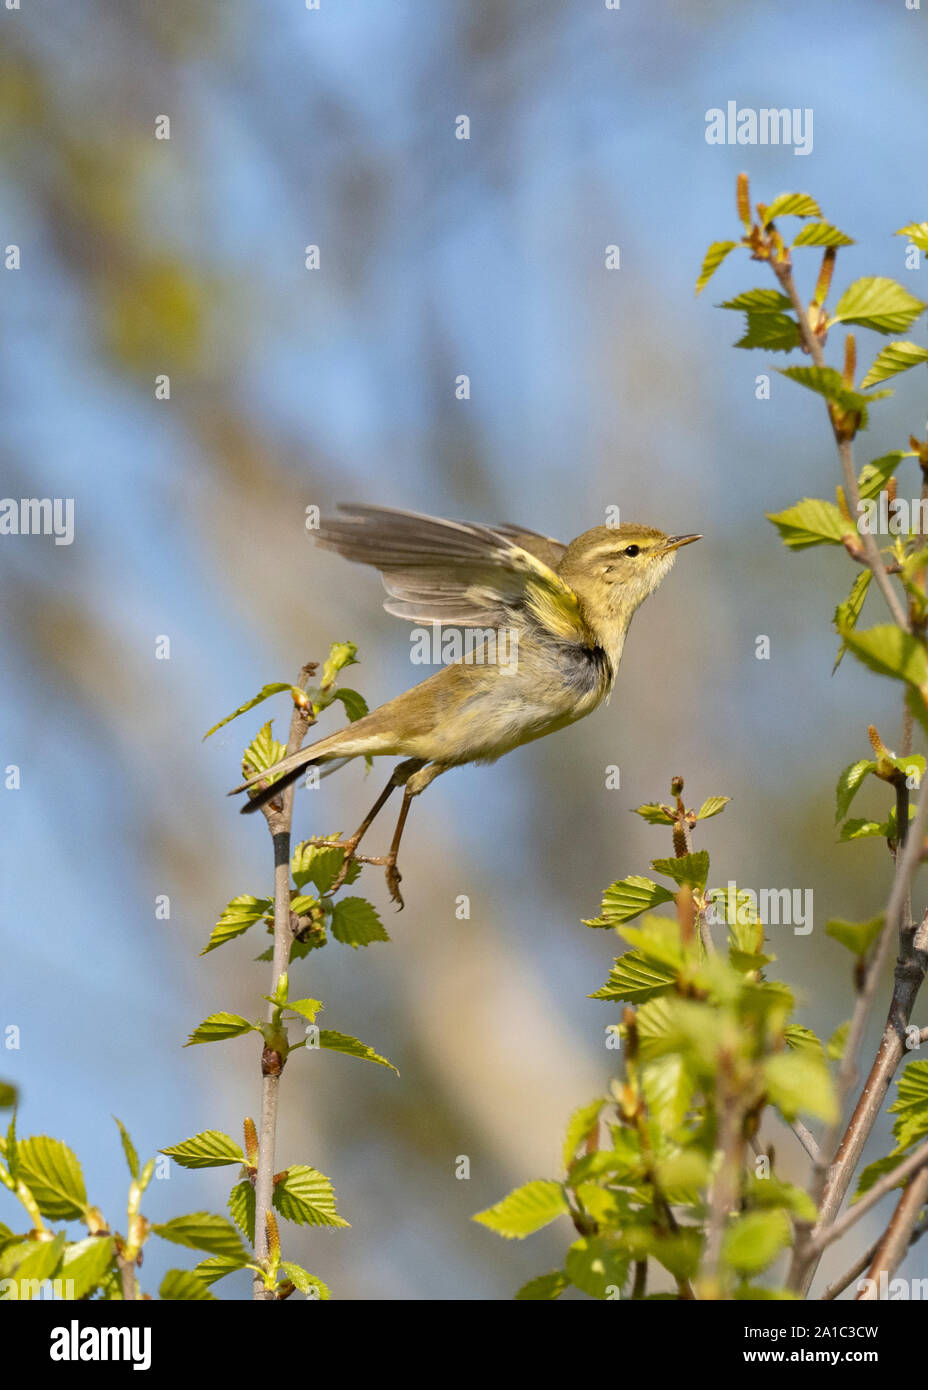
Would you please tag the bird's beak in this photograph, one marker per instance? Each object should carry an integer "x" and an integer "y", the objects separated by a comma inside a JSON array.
[{"x": 674, "y": 542}]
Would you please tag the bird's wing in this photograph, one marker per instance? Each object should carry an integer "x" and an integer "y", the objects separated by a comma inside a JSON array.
[{"x": 454, "y": 572}]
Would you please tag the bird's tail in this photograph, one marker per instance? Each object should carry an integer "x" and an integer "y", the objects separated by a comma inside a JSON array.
[{"x": 347, "y": 743}]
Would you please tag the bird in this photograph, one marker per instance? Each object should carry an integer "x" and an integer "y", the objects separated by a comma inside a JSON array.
[{"x": 559, "y": 614}]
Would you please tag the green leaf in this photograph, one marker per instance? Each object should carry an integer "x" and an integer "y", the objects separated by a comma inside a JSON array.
[
  {"x": 828, "y": 382},
  {"x": 320, "y": 864},
  {"x": 658, "y": 941},
  {"x": 858, "y": 937},
  {"x": 626, "y": 899},
  {"x": 800, "y": 1039},
  {"x": 341, "y": 654},
  {"x": 635, "y": 980},
  {"x": 668, "y": 1091},
  {"x": 579, "y": 1127},
  {"x": 761, "y": 301},
  {"x": 237, "y": 916},
  {"x": 355, "y": 704},
  {"x": 812, "y": 521},
  {"x": 203, "y": 1230},
  {"x": 525, "y": 1210},
  {"x": 209, "y": 1149},
  {"x": 263, "y": 694},
  {"x": 132, "y": 1158},
  {"x": 799, "y": 1084},
  {"x": 895, "y": 358},
  {"x": 654, "y": 814},
  {"x": 848, "y": 612},
  {"x": 834, "y": 1048},
  {"x": 218, "y": 1266},
  {"x": 352, "y": 1047},
  {"x": 41, "y": 1260},
  {"x": 219, "y": 1027},
  {"x": 596, "y": 1266},
  {"x": 713, "y": 259},
  {"x": 911, "y": 1105},
  {"x": 306, "y": 1008},
  {"x": 543, "y": 1289},
  {"x": 263, "y": 752},
  {"x": 691, "y": 869},
  {"x": 242, "y": 1207},
  {"x": 863, "y": 830},
  {"x": 878, "y": 303},
  {"x": 874, "y": 476},
  {"x": 7, "y": 1095},
  {"x": 712, "y": 806},
  {"x": 53, "y": 1175},
  {"x": 774, "y": 332},
  {"x": 773, "y": 1192},
  {"x": 822, "y": 234},
  {"x": 753, "y": 1241},
  {"x": 916, "y": 232},
  {"x": 874, "y": 1171},
  {"x": 890, "y": 652},
  {"x": 355, "y": 922},
  {"x": 306, "y": 1197},
  {"x": 86, "y": 1262},
  {"x": 849, "y": 784},
  {"x": 791, "y": 205},
  {"x": 183, "y": 1286},
  {"x": 306, "y": 1283}
]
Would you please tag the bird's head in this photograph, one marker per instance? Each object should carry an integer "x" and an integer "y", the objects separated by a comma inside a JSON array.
[{"x": 613, "y": 569}]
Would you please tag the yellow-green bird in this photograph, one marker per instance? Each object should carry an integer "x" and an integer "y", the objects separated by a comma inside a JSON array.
[{"x": 554, "y": 619}]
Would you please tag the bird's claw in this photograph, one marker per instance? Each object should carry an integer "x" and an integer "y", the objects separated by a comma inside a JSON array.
[{"x": 394, "y": 876}]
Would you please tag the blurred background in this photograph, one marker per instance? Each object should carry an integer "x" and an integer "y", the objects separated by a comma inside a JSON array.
[{"x": 290, "y": 388}]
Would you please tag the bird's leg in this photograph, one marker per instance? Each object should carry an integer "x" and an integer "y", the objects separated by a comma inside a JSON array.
[
  {"x": 401, "y": 773},
  {"x": 416, "y": 782}
]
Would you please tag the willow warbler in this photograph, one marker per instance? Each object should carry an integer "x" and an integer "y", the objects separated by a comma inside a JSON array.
[{"x": 559, "y": 612}]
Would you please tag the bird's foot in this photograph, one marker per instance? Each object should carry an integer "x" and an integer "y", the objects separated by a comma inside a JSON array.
[
  {"x": 349, "y": 846},
  {"x": 394, "y": 876}
]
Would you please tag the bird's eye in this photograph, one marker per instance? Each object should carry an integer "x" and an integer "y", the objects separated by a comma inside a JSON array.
[{"x": 633, "y": 550}]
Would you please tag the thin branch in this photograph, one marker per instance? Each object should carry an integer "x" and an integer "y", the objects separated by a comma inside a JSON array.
[
  {"x": 898, "y": 1236},
  {"x": 877, "y": 1192},
  {"x": 859, "y": 1265},
  {"x": 279, "y": 815},
  {"x": 806, "y": 1139}
]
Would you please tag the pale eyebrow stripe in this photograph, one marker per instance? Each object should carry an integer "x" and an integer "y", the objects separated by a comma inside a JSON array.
[{"x": 611, "y": 548}]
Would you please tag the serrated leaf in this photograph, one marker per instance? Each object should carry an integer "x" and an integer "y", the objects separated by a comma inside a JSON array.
[
  {"x": 791, "y": 205},
  {"x": 874, "y": 476},
  {"x": 355, "y": 704},
  {"x": 828, "y": 382},
  {"x": 712, "y": 806},
  {"x": 53, "y": 1175},
  {"x": 635, "y": 980},
  {"x": 263, "y": 694},
  {"x": 306, "y": 1008},
  {"x": 858, "y": 937},
  {"x": 711, "y": 262},
  {"x": 856, "y": 829},
  {"x": 128, "y": 1148},
  {"x": 579, "y": 1127},
  {"x": 218, "y": 1027},
  {"x": 917, "y": 232},
  {"x": 889, "y": 651},
  {"x": 208, "y": 1149},
  {"x": 835, "y": 1047},
  {"x": 39, "y": 1260},
  {"x": 624, "y": 900},
  {"x": 822, "y": 234},
  {"x": 544, "y": 1288},
  {"x": 753, "y": 1241},
  {"x": 772, "y": 332},
  {"x": 237, "y": 916},
  {"x": 668, "y": 1091},
  {"x": 849, "y": 783},
  {"x": 86, "y": 1262},
  {"x": 895, "y": 358},
  {"x": 691, "y": 869},
  {"x": 525, "y": 1210},
  {"x": 848, "y": 612},
  {"x": 874, "y": 1171},
  {"x": 319, "y": 864},
  {"x": 654, "y": 814},
  {"x": 813, "y": 521},
  {"x": 799, "y": 1084},
  {"x": 352, "y": 1047},
  {"x": 218, "y": 1266},
  {"x": 242, "y": 1208},
  {"x": 307, "y": 1283},
  {"x": 306, "y": 1197},
  {"x": 760, "y": 301},
  {"x": 263, "y": 752},
  {"x": 203, "y": 1230},
  {"x": 911, "y": 1105},
  {"x": 183, "y": 1286},
  {"x": 878, "y": 303},
  {"x": 800, "y": 1039},
  {"x": 355, "y": 922}
]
